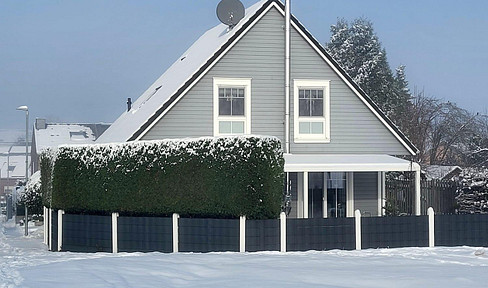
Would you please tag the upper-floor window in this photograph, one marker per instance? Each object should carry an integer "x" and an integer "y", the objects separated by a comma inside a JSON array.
[
  {"x": 232, "y": 106},
  {"x": 312, "y": 110}
]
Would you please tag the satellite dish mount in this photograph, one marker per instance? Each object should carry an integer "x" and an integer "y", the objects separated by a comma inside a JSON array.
[{"x": 230, "y": 12}]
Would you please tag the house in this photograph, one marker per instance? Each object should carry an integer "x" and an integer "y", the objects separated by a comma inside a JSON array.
[
  {"x": 232, "y": 80},
  {"x": 12, "y": 167},
  {"x": 50, "y": 135}
]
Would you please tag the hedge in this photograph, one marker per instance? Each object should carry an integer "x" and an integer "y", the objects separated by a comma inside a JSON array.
[{"x": 206, "y": 177}]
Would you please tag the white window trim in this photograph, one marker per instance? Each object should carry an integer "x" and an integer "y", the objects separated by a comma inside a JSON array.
[
  {"x": 312, "y": 138},
  {"x": 232, "y": 82}
]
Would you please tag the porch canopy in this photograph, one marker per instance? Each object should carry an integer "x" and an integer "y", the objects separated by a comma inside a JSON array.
[
  {"x": 347, "y": 162},
  {"x": 353, "y": 163}
]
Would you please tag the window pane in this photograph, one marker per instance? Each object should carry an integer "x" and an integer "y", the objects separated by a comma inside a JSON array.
[
  {"x": 237, "y": 127},
  {"x": 241, "y": 93},
  {"x": 320, "y": 94},
  {"x": 224, "y": 106},
  {"x": 304, "y": 128},
  {"x": 317, "y": 128},
  {"x": 221, "y": 92},
  {"x": 317, "y": 107},
  {"x": 238, "y": 106},
  {"x": 314, "y": 93},
  {"x": 225, "y": 127},
  {"x": 307, "y": 93},
  {"x": 304, "y": 109},
  {"x": 301, "y": 94}
]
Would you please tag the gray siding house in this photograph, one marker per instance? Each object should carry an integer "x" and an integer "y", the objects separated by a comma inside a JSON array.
[{"x": 338, "y": 144}]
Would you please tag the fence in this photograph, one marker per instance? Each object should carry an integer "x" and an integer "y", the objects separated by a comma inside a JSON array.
[
  {"x": 438, "y": 194},
  {"x": 88, "y": 233}
]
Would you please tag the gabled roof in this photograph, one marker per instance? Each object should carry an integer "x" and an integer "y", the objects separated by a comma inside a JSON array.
[
  {"x": 198, "y": 59},
  {"x": 55, "y": 134}
]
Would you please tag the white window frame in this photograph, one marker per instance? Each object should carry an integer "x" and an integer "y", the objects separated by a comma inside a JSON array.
[
  {"x": 325, "y": 119},
  {"x": 232, "y": 82}
]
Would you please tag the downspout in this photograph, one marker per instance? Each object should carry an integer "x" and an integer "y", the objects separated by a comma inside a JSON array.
[
  {"x": 287, "y": 96},
  {"x": 287, "y": 75}
]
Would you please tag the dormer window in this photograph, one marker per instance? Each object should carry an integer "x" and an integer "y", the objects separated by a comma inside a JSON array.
[
  {"x": 312, "y": 110},
  {"x": 232, "y": 106}
]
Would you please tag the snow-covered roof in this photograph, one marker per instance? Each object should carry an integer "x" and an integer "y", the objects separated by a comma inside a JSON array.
[
  {"x": 16, "y": 163},
  {"x": 54, "y": 135},
  {"x": 441, "y": 172},
  {"x": 173, "y": 79}
]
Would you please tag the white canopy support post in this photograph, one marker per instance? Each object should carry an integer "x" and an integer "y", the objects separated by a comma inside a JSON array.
[{"x": 417, "y": 189}]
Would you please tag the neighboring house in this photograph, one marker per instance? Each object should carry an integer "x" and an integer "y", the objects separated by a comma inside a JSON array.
[
  {"x": 12, "y": 167},
  {"x": 337, "y": 143},
  {"x": 51, "y": 135},
  {"x": 439, "y": 172}
]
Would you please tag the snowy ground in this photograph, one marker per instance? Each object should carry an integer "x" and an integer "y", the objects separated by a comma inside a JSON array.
[{"x": 25, "y": 262}]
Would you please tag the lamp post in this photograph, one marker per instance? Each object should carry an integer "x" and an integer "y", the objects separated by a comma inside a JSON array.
[{"x": 26, "y": 110}]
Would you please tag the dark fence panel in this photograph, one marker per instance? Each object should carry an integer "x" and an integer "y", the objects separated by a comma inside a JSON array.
[
  {"x": 320, "y": 234},
  {"x": 457, "y": 230},
  {"x": 87, "y": 233},
  {"x": 394, "y": 232},
  {"x": 208, "y": 235},
  {"x": 54, "y": 231},
  {"x": 145, "y": 234},
  {"x": 440, "y": 195},
  {"x": 263, "y": 235}
]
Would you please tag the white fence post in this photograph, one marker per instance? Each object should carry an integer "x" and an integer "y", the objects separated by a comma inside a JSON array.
[
  {"x": 242, "y": 234},
  {"x": 50, "y": 228},
  {"x": 283, "y": 231},
  {"x": 357, "y": 216},
  {"x": 175, "y": 233},
  {"x": 115, "y": 242},
  {"x": 60, "y": 229},
  {"x": 431, "y": 214},
  {"x": 44, "y": 215}
]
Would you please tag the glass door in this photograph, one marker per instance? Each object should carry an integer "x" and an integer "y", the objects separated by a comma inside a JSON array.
[
  {"x": 315, "y": 195},
  {"x": 336, "y": 194}
]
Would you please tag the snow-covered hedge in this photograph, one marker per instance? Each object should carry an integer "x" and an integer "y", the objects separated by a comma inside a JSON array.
[{"x": 205, "y": 177}]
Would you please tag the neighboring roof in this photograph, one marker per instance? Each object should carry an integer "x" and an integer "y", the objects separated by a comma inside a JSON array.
[
  {"x": 17, "y": 166},
  {"x": 54, "y": 135},
  {"x": 438, "y": 172},
  {"x": 342, "y": 163},
  {"x": 193, "y": 64}
]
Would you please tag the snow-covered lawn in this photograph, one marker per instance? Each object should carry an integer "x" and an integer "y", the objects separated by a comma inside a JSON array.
[{"x": 25, "y": 262}]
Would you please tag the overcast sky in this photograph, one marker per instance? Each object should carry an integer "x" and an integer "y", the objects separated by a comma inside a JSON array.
[{"x": 78, "y": 61}]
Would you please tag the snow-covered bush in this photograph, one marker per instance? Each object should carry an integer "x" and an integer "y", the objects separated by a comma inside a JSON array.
[
  {"x": 205, "y": 177},
  {"x": 472, "y": 194},
  {"x": 32, "y": 196}
]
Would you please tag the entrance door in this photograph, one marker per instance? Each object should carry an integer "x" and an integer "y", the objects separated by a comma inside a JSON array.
[
  {"x": 315, "y": 195},
  {"x": 336, "y": 194}
]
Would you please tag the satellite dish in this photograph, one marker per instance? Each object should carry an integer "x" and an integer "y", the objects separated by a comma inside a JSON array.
[{"x": 230, "y": 12}]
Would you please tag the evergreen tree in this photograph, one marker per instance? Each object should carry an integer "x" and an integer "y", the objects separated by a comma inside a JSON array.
[{"x": 357, "y": 49}]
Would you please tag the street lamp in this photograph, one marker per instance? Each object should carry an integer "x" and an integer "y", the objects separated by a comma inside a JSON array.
[{"x": 26, "y": 110}]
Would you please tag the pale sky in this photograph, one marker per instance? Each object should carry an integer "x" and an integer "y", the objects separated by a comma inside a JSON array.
[{"x": 78, "y": 61}]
